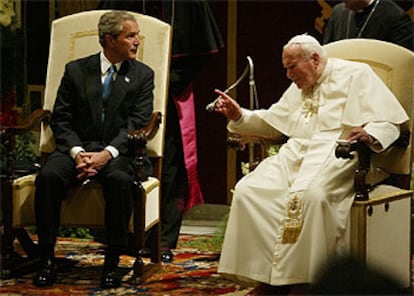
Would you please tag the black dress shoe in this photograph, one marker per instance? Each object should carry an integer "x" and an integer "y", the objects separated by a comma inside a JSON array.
[
  {"x": 46, "y": 276},
  {"x": 167, "y": 256},
  {"x": 111, "y": 279}
]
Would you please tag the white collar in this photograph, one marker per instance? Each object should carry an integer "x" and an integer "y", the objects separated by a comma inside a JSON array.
[{"x": 106, "y": 64}]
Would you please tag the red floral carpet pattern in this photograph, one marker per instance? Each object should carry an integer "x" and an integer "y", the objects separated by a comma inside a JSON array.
[{"x": 193, "y": 272}]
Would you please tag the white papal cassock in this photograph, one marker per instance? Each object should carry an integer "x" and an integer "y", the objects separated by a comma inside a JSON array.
[{"x": 290, "y": 215}]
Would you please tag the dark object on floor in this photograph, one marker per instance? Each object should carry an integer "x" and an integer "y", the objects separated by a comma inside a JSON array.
[
  {"x": 265, "y": 289},
  {"x": 167, "y": 256},
  {"x": 46, "y": 276},
  {"x": 111, "y": 279},
  {"x": 350, "y": 277}
]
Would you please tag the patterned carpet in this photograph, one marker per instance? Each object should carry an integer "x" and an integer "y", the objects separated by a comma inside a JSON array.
[{"x": 193, "y": 272}]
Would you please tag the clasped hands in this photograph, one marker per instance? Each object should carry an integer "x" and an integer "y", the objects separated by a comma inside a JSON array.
[{"x": 89, "y": 163}]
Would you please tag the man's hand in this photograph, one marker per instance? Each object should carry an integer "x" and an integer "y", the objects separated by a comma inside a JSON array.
[
  {"x": 82, "y": 166},
  {"x": 227, "y": 106},
  {"x": 89, "y": 163},
  {"x": 360, "y": 135}
]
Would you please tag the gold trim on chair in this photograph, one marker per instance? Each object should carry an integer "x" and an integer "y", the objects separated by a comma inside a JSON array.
[
  {"x": 94, "y": 33},
  {"x": 76, "y": 35}
]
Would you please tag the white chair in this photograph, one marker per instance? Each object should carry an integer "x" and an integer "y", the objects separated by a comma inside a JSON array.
[
  {"x": 381, "y": 222},
  {"x": 72, "y": 37}
]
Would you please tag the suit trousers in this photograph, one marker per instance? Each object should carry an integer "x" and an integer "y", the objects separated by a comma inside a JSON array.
[{"x": 117, "y": 180}]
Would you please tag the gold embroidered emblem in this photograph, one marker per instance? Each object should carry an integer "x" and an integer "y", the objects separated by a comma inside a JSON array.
[
  {"x": 310, "y": 105},
  {"x": 293, "y": 224}
]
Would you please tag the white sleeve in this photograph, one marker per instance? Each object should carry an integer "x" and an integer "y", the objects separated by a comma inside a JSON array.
[{"x": 385, "y": 133}]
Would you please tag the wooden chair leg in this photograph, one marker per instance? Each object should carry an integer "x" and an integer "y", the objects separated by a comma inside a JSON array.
[
  {"x": 138, "y": 235},
  {"x": 138, "y": 271},
  {"x": 143, "y": 271},
  {"x": 30, "y": 248},
  {"x": 13, "y": 264},
  {"x": 155, "y": 243}
]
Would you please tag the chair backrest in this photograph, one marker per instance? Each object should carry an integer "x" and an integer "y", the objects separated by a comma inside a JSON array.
[
  {"x": 75, "y": 36},
  {"x": 394, "y": 65}
]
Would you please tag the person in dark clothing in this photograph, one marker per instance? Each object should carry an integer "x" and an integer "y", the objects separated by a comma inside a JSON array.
[
  {"x": 91, "y": 140},
  {"x": 348, "y": 276},
  {"x": 195, "y": 38},
  {"x": 376, "y": 19}
]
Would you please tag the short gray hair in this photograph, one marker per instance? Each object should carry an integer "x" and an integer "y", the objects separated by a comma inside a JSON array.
[
  {"x": 308, "y": 44},
  {"x": 111, "y": 23}
]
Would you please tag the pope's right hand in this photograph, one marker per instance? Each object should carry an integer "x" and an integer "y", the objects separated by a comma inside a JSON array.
[{"x": 227, "y": 106}]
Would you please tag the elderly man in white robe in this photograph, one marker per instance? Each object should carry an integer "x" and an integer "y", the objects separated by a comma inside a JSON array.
[{"x": 290, "y": 215}]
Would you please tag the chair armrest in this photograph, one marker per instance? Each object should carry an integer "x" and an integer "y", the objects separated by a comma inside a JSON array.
[
  {"x": 33, "y": 120},
  {"x": 149, "y": 130},
  {"x": 8, "y": 134},
  {"x": 349, "y": 150},
  {"x": 239, "y": 142},
  {"x": 137, "y": 141}
]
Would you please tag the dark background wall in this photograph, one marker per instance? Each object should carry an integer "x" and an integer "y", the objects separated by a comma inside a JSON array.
[{"x": 262, "y": 27}]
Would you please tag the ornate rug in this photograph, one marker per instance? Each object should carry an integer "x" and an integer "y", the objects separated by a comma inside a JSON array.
[{"x": 193, "y": 272}]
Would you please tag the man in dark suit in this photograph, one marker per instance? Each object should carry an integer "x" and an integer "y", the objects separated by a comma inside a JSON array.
[
  {"x": 376, "y": 19},
  {"x": 90, "y": 132},
  {"x": 195, "y": 39}
]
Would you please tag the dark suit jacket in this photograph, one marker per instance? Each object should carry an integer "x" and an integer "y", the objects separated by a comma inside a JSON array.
[
  {"x": 389, "y": 22},
  {"x": 76, "y": 118}
]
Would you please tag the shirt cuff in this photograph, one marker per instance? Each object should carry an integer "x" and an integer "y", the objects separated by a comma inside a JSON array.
[
  {"x": 75, "y": 150},
  {"x": 114, "y": 152}
]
